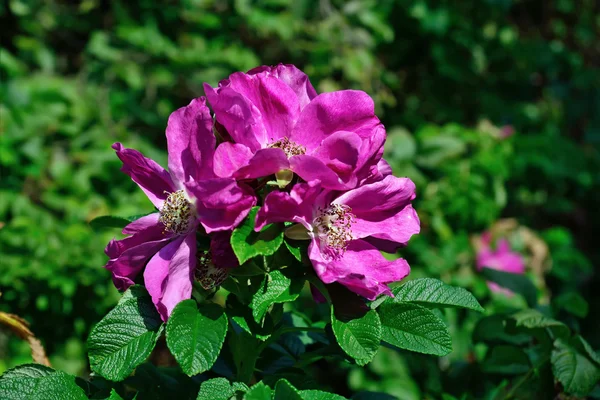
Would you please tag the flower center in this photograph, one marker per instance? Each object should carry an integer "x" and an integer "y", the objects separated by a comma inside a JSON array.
[
  {"x": 206, "y": 273},
  {"x": 177, "y": 214},
  {"x": 333, "y": 227},
  {"x": 289, "y": 148}
]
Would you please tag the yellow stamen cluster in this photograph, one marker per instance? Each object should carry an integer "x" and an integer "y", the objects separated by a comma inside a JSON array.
[
  {"x": 333, "y": 225},
  {"x": 289, "y": 148},
  {"x": 177, "y": 214}
]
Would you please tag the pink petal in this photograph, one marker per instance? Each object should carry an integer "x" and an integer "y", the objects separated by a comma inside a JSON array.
[
  {"x": 379, "y": 200},
  {"x": 293, "y": 77},
  {"x": 344, "y": 110},
  {"x": 222, "y": 203},
  {"x": 191, "y": 142},
  {"x": 296, "y": 206},
  {"x": 240, "y": 118},
  {"x": 311, "y": 168},
  {"x": 340, "y": 152},
  {"x": 397, "y": 228},
  {"x": 153, "y": 179},
  {"x": 264, "y": 163},
  {"x": 128, "y": 256},
  {"x": 362, "y": 269},
  {"x": 229, "y": 157},
  {"x": 276, "y": 102},
  {"x": 168, "y": 276},
  {"x": 141, "y": 224}
]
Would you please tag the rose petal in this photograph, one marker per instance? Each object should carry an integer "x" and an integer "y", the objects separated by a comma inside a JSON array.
[
  {"x": 230, "y": 157},
  {"x": 153, "y": 179},
  {"x": 222, "y": 203},
  {"x": 190, "y": 142},
  {"x": 362, "y": 269}
]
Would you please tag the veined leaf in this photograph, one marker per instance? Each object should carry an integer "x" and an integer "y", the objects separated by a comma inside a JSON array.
[
  {"x": 220, "y": 389},
  {"x": 195, "y": 335},
  {"x": 247, "y": 243},
  {"x": 38, "y": 382},
  {"x": 360, "y": 337},
  {"x": 124, "y": 338},
  {"x": 433, "y": 292},
  {"x": 413, "y": 327}
]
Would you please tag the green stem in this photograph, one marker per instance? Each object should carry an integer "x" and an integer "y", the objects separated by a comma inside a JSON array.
[{"x": 525, "y": 378}]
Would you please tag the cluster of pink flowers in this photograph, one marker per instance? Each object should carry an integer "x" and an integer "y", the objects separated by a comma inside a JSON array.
[{"x": 325, "y": 150}]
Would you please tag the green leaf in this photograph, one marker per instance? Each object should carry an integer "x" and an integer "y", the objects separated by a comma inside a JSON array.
[
  {"x": 319, "y": 395},
  {"x": 532, "y": 319},
  {"x": 413, "y": 327},
  {"x": 505, "y": 359},
  {"x": 260, "y": 391},
  {"x": 296, "y": 247},
  {"x": 195, "y": 335},
  {"x": 285, "y": 391},
  {"x": 220, "y": 389},
  {"x": 109, "y": 221},
  {"x": 360, "y": 337},
  {"x": 433, "y": 292},
  {"x": 242, "y": 315},
  {"x": 248, "y": 269},
  {"x": 520, "y": 284},
  {"x": 573, "y": 303},
  {"x": 124, "y": 338},
  {"x": 37, "y": 382},
  {"x": 492, "y": 330},
  {"x": 275, "y": 288},
  {"x": 575, "y": 371},
  {"x": 245, "y": 351},
  {"x": 114, "y": 395},
  {"x": 247, "y": 243}
]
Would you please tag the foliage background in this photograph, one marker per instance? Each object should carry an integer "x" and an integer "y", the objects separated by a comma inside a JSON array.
[{"x": 78, "y": 76}]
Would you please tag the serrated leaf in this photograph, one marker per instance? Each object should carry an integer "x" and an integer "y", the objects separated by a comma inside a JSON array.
[
  {"x": 320, "y": 395},
  {"x": 517, "y": 283},
  {"x": 433, "y": 292},
  {"x": 533, "y": 319},
  {"x": 413, "y": 327},
  {"x": 576, "y": 372},
  {"x": 260, "y": 391},
  {"x": 275, "y": 288},
  {"x": 220, "y": 389},
  {"x": 506, "y": 359},
  {"x": 195, "y": 335},
  {"x": 247, "y": 243},
  {"x": 125, "y": 337},
  {"x": 359, "y": 337},
  {"x": 285, "y": 391},
  {"x": 37, "y": 382}
]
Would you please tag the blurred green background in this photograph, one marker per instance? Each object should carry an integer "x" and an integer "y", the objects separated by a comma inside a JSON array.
[{"x": 492, "y": 108}]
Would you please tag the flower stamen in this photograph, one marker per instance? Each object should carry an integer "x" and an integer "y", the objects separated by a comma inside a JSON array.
[
  {"x": 333, "y": 226},
  {"x": 207, "y": 274},
  {"x": 289, "y": 148},
  {"x": 177, "y": 214}
]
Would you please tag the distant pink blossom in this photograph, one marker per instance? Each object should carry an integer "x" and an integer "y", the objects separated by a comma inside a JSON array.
[{"x": 502, "y": 258}]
